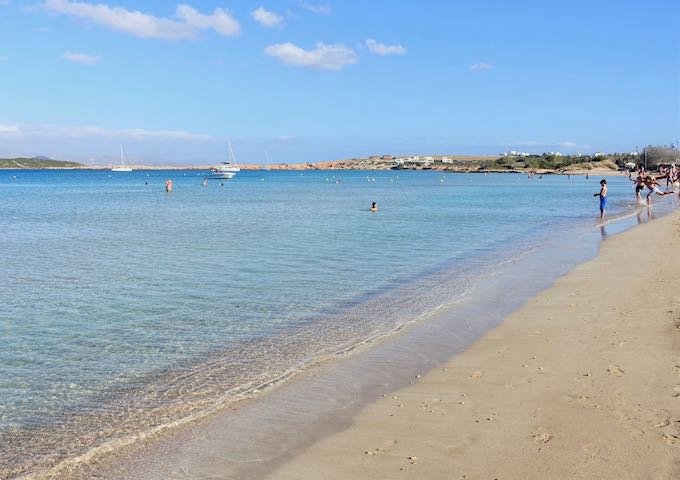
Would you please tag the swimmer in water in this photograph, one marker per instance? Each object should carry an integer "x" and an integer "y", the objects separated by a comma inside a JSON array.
[{"x": 374, "y": 207}]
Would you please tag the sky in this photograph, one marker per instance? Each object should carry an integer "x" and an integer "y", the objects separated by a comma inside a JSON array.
[{"x": 293, "y": 81}]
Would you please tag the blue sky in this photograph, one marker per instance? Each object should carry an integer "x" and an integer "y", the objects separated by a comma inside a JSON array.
[{"x": 314, "y": 80}]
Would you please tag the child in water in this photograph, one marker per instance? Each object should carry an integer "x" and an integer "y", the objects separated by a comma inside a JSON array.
[{"x": 603, "y": 196}]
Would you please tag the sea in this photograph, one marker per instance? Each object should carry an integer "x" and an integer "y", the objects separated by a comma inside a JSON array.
[{"x": 125, "y": 308}]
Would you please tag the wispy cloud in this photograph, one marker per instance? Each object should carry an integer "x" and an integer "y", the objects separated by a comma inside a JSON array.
[
  {"x": 89, "y": 131},
  {"x": 220, "y": 20},
  {"x": 188, "y": 23},
  {"x": 82, "y": 58},
  {"x": 481, "y": 66},
  {"x": 381, "y": 49},
  {"x": 8, "y": 129},
  {"x": 323, "y": 57},
  {"x": 524, "y": 143},
  {"x": 566, "y": 144},
  {"x": 319, "y": 9},
  {"x": 266, "y": 18}
]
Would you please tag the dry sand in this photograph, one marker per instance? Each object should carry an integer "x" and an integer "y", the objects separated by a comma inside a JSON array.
[{"x": 581, "y": 382}]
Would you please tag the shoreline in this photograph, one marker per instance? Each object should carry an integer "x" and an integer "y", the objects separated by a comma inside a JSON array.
[
  {"x": 247, "y": 438},
  {"x": 583, "y": 381}
]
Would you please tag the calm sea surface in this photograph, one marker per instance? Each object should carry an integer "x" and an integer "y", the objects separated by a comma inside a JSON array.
[{"x": 124, "y": 308}]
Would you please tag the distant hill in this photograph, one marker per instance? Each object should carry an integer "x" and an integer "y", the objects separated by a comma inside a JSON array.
[{"x": 37, "y": 162}]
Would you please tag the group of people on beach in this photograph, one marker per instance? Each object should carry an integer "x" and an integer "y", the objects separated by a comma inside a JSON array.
[{"x": 644, "y": 180}]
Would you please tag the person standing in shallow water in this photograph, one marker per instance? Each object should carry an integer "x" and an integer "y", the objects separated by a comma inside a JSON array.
[{"x": 603, "y": 196}]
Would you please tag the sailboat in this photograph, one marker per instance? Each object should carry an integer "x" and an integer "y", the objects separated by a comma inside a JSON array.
[
  {"x": 123, "y": 167},
  {"x": 226, "y": 169}
]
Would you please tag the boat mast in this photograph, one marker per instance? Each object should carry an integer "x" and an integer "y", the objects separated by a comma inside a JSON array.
[
  {"x": 232, "y": 158},
  {"x": 122, "y": 156}
]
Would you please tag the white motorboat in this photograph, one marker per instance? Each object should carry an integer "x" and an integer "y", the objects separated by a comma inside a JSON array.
[{"x": 226, "y": 169}]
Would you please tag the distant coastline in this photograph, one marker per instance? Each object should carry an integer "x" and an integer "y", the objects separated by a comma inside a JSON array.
[{"x": 451, "y": 164}]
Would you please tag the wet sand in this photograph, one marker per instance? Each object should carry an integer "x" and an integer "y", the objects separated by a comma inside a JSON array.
[{"x": 583, "y": 381}]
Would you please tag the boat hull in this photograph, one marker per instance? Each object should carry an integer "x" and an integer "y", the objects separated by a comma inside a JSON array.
[{"x": 221, "y": 175}]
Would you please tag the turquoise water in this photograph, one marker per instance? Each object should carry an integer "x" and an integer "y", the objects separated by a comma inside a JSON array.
[{"x": 123, "y": 307}]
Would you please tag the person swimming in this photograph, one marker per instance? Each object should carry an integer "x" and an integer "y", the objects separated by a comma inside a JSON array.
[{"x": 374, "y": 207}]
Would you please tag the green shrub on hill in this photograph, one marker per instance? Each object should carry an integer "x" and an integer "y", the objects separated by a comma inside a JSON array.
[{"x": 37, "y": 163}]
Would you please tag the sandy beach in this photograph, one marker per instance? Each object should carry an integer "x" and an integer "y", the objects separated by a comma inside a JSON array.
[{"x": 581, "y": 382}]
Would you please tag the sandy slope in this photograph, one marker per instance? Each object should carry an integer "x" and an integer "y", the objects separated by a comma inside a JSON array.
[{"x": 582, "y": 382}]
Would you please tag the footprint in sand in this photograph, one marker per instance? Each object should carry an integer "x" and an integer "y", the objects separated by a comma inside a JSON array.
[
  {"x": 583, "y": 400},
  {"x": 615, "y": 370},
  {"x": 541, "y": 437},
  {"x": 676, "y": 391},
  {"x": 671, "y": 433},
  {"x": 659, "y": 419},
  {"x": 385, "y": 448}
]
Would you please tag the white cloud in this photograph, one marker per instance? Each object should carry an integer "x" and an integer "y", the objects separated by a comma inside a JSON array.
[
  {"x": 89, "y": 131},
  {"x": 7, "y": 130},
  {"x": 266, "y": 18},
  {"x": 319, "y": 9},
  {"x": 323, "y": 57},
  {"x": 382, "y": 49},
  {"x": 143, "y": 25},
  {"x": 82, "y": 58},
  {"x": 481, "y": 66},
  {"x": 567, "y": 144},
  {"x": 221, "y": 20}
]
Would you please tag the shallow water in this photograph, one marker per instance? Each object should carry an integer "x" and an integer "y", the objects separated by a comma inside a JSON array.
[{"x": 124, "y": 308}]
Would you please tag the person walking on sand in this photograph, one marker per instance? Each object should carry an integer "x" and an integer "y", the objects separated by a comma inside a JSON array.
[{"x": 603, "y": 196}]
